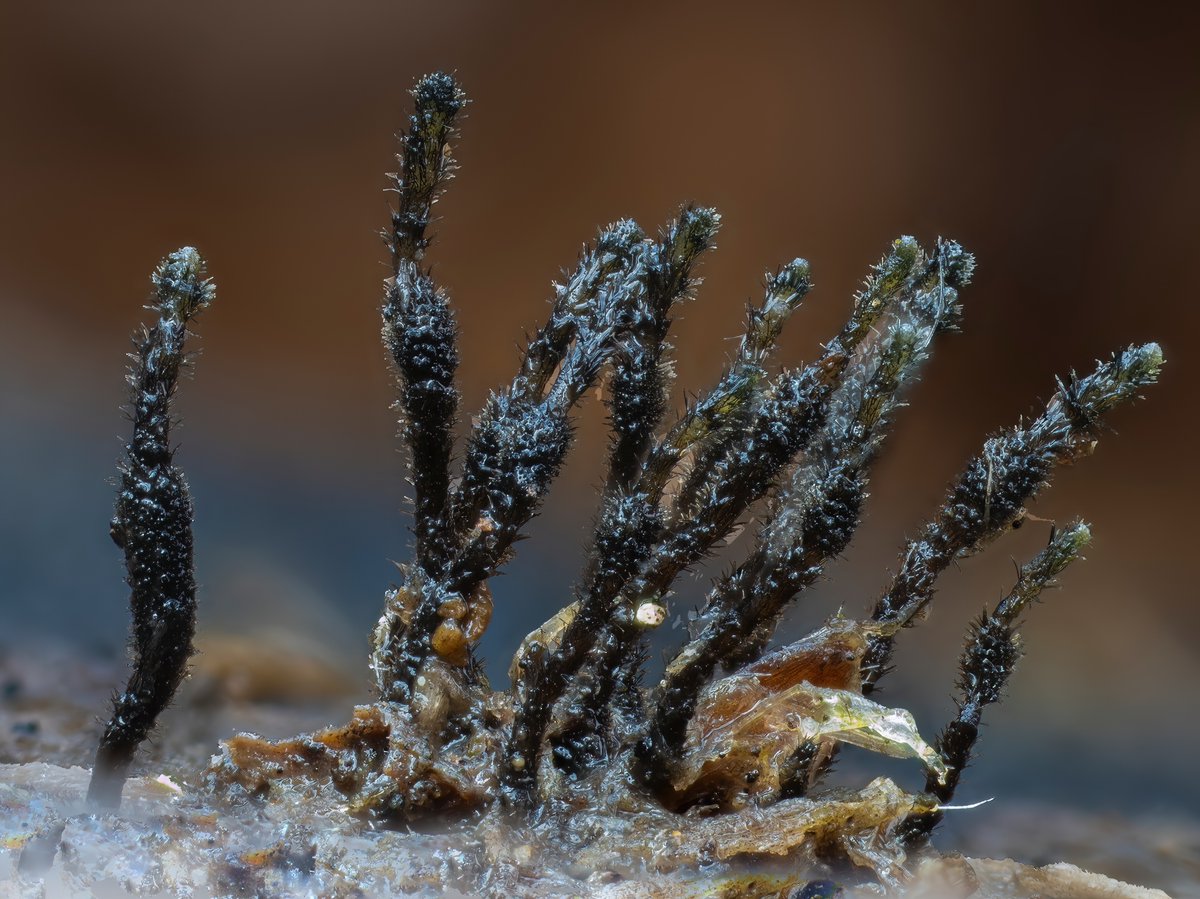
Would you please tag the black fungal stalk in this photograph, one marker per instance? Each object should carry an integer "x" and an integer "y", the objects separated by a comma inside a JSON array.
[
  {"x": 153, "y": 525},
  {"x": 418, "y": 324},
  {"x": 641, "y": 377},
  {"x": 990, "y": 496},
  {"x": 814, "y": 516},
  {"x": 992, "y": 492},
  {"x": 629, "y": 521},
  {"x": 992, "y": 651},
  {"x": 516, "y": 450},
  {"x": 728, "y": 749}
]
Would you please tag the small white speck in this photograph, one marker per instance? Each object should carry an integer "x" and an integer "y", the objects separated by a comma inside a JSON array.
[
  {"x": 650, "y": 614},
  {"x": 168, "y": 783}
]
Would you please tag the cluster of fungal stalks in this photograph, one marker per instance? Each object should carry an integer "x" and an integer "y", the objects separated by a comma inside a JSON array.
[{"x": 724, "y": 756}]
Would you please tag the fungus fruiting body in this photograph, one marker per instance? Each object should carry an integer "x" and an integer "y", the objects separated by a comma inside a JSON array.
[{"x": 579, "y": 766}]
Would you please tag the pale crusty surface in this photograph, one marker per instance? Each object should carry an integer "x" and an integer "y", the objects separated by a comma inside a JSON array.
[
  {"x": 171, "y": 839},
  {"x": 167, "y": 843}
]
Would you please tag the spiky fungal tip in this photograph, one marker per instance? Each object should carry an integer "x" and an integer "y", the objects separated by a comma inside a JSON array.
[{"x": 182, "y": 285}]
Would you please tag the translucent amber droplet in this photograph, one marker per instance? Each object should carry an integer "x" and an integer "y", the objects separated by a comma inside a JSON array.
[{"x": 450, "y": 642}]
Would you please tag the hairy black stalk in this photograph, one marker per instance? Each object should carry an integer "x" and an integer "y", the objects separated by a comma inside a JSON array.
[
  {"x": 153, "y": 525},
  {"x": 418, "y": 325},
  {"x": 992, "y": 651}
]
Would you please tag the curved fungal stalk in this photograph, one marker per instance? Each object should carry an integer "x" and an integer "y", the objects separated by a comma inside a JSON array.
[
  {"x": 992, "y": 492},
  {"x": 992, "y": 651},
  {"x": 990, "y": 496},
  {"x": 153, "y": 525}
]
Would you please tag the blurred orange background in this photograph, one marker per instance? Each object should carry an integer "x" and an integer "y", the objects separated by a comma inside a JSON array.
[{"x": 1059, "y": 142}]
